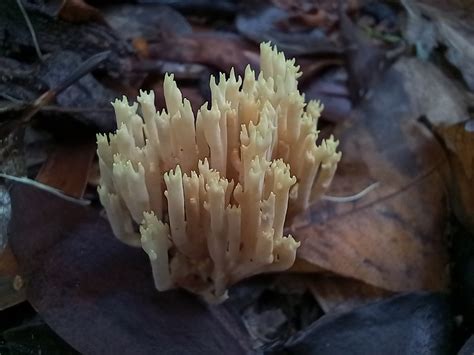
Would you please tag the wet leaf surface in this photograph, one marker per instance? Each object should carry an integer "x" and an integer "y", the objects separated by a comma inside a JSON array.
[
  {"x": 98, "y": 294},
  {"x": 407, "y": 324}
]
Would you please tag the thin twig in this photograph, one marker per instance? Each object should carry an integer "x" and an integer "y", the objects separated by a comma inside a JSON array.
[
  {"x": 357, "y": 196},
  {"x": 44, "y": 187},
  {"x": 31, "y": 29}
]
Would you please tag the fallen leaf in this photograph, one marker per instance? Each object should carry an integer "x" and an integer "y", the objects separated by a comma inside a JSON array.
[
  {"x": 87, "y": 92},
  {"x": 215, "y": 49},
  {"x": 337, "y": 294},
  {"x": 419, "y": 323},
  {"x": 274, "y": 307},
  {"x": 449, "y": 23},
  {"x": 66, "y": 169},
  {"x": 54, "y": 35},
  {"x": 68, "y": 166},
  {"x": 260, "y": 23},
  {"x": 98, "y": 293},
  {"x": 392, "y": 238},
  {"x": 147, "y": 21},
  {"x": 434, "y": 95},
  {"x": 62, "y": 77},
  {"x": 207, "y": 8}
]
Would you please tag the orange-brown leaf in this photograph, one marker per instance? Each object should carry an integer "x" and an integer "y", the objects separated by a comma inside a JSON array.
[{"x": 391, "y": 238}]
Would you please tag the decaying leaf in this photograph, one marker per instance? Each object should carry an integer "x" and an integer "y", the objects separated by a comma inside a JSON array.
[
  {"x": 98, "y": 294},
  {"x": 32, "y": 336},
  {"x": 391, "y": 238},
  {"x": 419, "y": 323},
  {"x": 262, "y": 22},
  {"x": 432, "y": 94},
  {"x": 67, "y": 168}
]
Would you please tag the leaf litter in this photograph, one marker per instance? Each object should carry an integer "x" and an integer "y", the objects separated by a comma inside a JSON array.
[{"x": 404, "y": 125}]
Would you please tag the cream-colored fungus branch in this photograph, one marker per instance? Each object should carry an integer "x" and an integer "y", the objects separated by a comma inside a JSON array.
[{"x": 210, "y": 193}]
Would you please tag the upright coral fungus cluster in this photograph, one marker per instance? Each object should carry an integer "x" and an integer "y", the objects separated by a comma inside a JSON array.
[{"x": 210, "y": 194}]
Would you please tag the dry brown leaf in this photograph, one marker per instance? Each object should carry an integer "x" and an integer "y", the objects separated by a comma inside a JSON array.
[
  {"x": 391, "y": 238},
  {"x": 459, "y": 141},
  {"x": 67, "y": 168}
]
